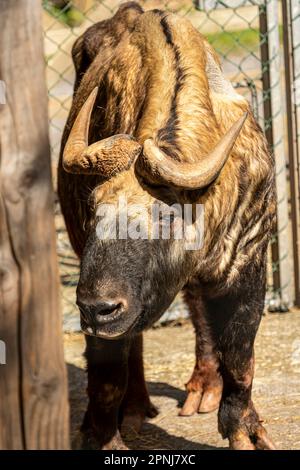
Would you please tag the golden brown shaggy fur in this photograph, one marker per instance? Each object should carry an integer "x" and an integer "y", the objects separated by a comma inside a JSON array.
[{"x": 159, "y": 78}]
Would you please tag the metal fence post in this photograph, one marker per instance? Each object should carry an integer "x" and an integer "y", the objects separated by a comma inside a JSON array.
[
  {"x": 291, "y": 43},
  {"x": 274, "y": 129}
]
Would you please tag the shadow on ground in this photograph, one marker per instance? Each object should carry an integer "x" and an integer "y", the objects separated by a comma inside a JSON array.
[
  {"x": 162, "y": 389},
  {"x": 151, "y": 437}
]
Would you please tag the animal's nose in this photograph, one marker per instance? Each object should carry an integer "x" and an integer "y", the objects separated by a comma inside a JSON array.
[{"x": 95, "y": 314}]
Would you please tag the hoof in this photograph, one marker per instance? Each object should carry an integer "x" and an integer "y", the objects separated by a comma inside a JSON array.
[
  {"x": 242, "y": 440},
  {"x": 191, "y": 404},
  {"x": 210, "y": 400},
  {"x": 202, "y": 401}
]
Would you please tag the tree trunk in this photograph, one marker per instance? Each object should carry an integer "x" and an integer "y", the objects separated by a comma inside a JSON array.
[{"x": 33, "y": 385}]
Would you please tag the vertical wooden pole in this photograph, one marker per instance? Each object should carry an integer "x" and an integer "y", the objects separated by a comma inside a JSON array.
[{"x": 33, "y": 386}]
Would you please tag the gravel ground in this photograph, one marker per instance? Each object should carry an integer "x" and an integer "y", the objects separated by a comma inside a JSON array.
[{"x": 169, "y": 359}]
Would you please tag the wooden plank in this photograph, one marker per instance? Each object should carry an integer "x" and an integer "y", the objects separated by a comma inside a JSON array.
[
  {"x": 34, "y": 413},
  {"x": 11, "y": 433}
]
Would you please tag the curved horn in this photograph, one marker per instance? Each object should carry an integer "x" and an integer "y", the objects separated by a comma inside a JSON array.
[
  {"x": 160, "y": 168},
  {"x": 106, "y": 157}
]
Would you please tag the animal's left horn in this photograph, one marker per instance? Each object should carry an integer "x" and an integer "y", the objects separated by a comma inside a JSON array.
[
  {"x": 158, "y": 167},
  {"x": 106, "y": 157}
]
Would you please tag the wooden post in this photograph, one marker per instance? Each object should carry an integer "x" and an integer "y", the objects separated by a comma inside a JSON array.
[{"x": 33, "y": 386}]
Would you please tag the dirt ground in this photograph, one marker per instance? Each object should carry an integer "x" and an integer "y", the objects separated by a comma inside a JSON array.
[{"x": 169, "y": 359}]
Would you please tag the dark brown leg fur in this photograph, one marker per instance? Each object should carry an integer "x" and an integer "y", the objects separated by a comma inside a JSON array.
[
  {"x": 136, "y": 405},
  {"x": 205, "y": 386},
  {"x": 116, "y": 389},
  {"x": 234, "y": 318},
  {"x": 107, "y": 367}
]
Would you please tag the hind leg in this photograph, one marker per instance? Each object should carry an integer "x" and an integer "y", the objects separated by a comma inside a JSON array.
[
  {"x": 136, "y": 405},
  {"x": 205, "y": 385}
]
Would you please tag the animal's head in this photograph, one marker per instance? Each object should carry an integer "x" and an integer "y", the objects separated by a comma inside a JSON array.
[{"x": 138, "y": 254}]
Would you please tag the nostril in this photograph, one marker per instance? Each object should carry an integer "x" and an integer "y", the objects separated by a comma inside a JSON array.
[
  {"x": 107, "y": 308},
  {"x": 109, "y": 311}
]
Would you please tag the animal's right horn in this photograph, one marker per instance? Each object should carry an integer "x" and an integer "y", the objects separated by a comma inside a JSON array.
[
  {"x": 106, "y": 157},
  {"x": 158, "y": 167}
]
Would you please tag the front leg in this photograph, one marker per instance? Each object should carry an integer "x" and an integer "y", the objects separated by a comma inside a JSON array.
[
  {"x": 107, "y": 368},
  {"x": 136, "y": 405},
  {"x": 235, "y": 317}
]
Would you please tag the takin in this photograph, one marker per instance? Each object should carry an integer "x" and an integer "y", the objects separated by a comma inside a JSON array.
[{"x": 152, "y": 120}]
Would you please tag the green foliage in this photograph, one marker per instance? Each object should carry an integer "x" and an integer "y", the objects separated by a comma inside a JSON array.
[
  {"x": 237, "y": 41},
  {"x": 234, "y": 41},
  {"x": 68, "y": 15}
]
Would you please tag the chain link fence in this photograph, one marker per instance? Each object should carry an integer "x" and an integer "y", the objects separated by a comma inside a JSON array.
[{"x": 248, "y": 37}]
